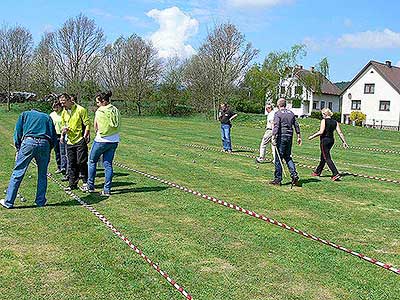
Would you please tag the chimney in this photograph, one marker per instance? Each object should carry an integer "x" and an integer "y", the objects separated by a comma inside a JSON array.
[
  {"x": 312, "y": 69},
  {"x": 301, "y": 67},
  {"x": 388, "y": 63}
]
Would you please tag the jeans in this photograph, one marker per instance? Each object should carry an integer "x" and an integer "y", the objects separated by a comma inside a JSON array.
[
  {"x": 64, "y": 158},
  {"x": 284, "y": 147},
  {"x": 226, "y": 136},
  {"x": 108, "y": 152},
  {"x": 36, "y": 148},
  {"x": 77, "y": 162}
]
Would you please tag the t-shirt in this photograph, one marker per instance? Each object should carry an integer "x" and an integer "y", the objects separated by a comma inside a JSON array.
[
  {"x": 76, "y": 120},
  {"x": 330, "y": 126},
  {"x": 56, "y": 117},
  {"x": 225, "y": 115}
]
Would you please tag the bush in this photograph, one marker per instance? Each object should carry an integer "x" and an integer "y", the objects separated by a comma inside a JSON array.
[
  {"x": 246, "y": 106},
  {"x": 337, "y": 116},
  {"x": 296, "y": 103},
  {"x": 358, "y": 117},
  {"x": 316, "y": 114}
]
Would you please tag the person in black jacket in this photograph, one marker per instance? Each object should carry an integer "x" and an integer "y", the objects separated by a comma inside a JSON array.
[
  {"x": 226, "y": 115},
  {"x": 326, "y": 133}
]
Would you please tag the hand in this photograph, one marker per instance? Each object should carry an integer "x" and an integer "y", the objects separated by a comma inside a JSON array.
[
  {"x": 299, "y": 142},
  {"x": 273, "y": 141},
  {"x": 87, "y": 138},
  {"x": 16, "y": 155},
  {"x": 345, "y": 146},
  {"x": 310, "y": 137},
  {"x": 62, "y": 139}
]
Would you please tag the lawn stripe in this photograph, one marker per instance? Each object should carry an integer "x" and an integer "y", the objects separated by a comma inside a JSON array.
[
  {"x": 262, "y": 217},
  {"x": 204, "y": 148}
]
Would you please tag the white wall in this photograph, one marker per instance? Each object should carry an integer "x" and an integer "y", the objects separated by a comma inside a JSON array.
[
  {"x": 327, "y": 98},
  {"x": 370, "y": 102}
]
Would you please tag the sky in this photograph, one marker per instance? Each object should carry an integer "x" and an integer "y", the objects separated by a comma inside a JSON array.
[{"x": 349, "y": 33}]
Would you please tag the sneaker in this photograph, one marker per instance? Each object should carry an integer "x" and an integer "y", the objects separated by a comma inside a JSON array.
[
  {"x": 275, "y": 182},
  {"x": 58, "y": 171},
  {"x": 84, "y": 187},
  {"x": 65, "y": 178},
  {"x": 3, "y": 203},
  {"x": 336, "y": 177},
  {"x": 70, "y": 188},
  {"x": 295, "y": 180},
  {"x": 105, "y": 194},
  {"x": 314, "y": 174},
  {"x": 260, "y": 160},
  {"x": 91, "y": 191}
]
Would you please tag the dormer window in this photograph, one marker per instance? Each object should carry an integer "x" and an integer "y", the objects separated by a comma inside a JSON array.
[{"x": 369, "y": 88}]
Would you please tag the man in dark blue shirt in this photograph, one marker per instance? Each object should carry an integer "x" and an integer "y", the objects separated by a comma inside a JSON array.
[
  {"x": 34, "y": 136},
  {"x": 284, "y": 122}
]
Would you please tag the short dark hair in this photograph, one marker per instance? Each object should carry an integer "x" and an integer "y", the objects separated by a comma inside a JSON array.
[
  {"x": 104, "y": 96},
  {"x": 64, "y": 95}
]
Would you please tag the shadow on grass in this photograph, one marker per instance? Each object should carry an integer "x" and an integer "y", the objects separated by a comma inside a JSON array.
[
  {"x": 302, "y": 182},
  {"x": 239, "y": 151},
  {"x": 100, "y": 174}
]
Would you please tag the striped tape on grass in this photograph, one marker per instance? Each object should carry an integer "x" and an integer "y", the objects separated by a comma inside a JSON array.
[{"x": 263, "y": 218}]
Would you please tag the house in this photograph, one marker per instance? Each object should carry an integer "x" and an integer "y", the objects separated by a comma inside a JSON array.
[
  {"x": 302, "y": 99},
  {"x": 375, "y": 91}
]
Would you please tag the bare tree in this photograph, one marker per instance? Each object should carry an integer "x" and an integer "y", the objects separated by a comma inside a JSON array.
[
  {"x": 221, "y": 64},
  {"x": 131, "y": 67},
  {"x": 44, "y": 75},
  {"x": 76, "y": 47},
  {"x": 15, "y": 55}
]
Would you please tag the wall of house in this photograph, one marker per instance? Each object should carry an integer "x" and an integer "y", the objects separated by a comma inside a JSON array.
[
  {"x": 370, "y": 102},
  {"x": 305, "y": 96},
  {"x": 317, "y": 99}
]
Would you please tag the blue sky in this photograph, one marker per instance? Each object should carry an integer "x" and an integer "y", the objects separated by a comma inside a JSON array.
[{"x": 349, "y": 33}]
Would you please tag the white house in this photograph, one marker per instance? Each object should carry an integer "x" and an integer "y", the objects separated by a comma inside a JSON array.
[
  {"x": 375, "y": 91},
  {"x": 293, "y": 87}
]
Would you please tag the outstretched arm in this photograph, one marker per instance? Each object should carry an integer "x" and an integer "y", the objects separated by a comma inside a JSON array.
[{"x": 320, "y": 131}]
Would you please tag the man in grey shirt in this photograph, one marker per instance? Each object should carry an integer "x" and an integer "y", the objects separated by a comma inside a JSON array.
[{"x": 284, "y": 122}]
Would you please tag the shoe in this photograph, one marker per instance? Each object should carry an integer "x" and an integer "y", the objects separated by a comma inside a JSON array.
[
  {"x": 65, "y": 178},
  {"x": 295, "y": 180},
  {"x": 58, "y": 171},
  {"x": 336, "y": 177},
  {"x": 84, "y": 187},
  {"x": 275, "y": 182},
  {"x": 91, "y": 191},
  {"x": 260, "y": 160},
  {"x": 3, "y": 203},
  {"x": 105, "y": 194},
  {"x": 70, "y": 188},
  {"x": 314, "y": 174}
]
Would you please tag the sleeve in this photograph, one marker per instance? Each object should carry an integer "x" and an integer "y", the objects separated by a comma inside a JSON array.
[
  {"x": 18, "y": 132},
  {"x": 277, "y": 121},
  {"x": 53, "y": 134},
  {"x": 296, "y": 125},
  {"x": 85, "y": 118}
]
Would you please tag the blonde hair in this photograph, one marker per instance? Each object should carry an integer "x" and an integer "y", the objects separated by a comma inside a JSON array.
[{"x": 327, "y": 112}]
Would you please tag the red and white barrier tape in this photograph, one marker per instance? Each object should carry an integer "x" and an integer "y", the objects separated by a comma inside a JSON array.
[
  {"x": 375, "y": 149},
  {"x": 317, "y": 160},
  {"x": 298, "y": 164},
  {"x": 103, "y": 219},
  {"x": 263, "y": 218}
]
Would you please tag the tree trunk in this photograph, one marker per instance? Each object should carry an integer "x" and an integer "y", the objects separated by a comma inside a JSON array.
[
  {"x": 8, "y": 96},
  {"x": 139, "y": 108},
  {"x": 215, "y": 109}
]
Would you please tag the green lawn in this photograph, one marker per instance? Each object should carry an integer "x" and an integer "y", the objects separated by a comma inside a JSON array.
[{"x": 62, "y": 251}]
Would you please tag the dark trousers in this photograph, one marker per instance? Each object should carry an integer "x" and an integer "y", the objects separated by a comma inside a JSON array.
[
  {"x": 284, "y": 147},
  {"x": 77, "y": 162},
  {"x": 326, "y": 145}
]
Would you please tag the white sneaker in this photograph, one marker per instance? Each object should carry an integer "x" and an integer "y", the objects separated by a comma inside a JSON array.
[
  {"x": 84, "y": 187},
  {"x": 3, "y": 203},
  {"x": 105, "y": 194}
]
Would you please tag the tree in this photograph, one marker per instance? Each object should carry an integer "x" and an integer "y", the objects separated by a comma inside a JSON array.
[
  {"x": 131, "y": 67},
  {"x": 15, "y": 57},
  {"x": 76, "y": 47},
  {"x": 220, "y": 65},
  {"x": 42, "y": 68}
]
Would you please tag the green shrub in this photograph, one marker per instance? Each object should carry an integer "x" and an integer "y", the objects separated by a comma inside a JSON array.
[
  {"x": 296, "y": 103},
  {"x": 358, "y": 117},
  {"x": 337, "y": 116},
  {"x": 316, "y": 114}
]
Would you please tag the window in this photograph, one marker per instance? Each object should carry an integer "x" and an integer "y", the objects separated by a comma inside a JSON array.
[
  {"x": 384, "y": 105},
  {"x": 314, "y": 105},
  {"x": 283, "y": 90},
  {"x": 330, "y": 105},
  {"x": 369, "y": 88},
  {"x": 322, "y": 104},
  {"x": 356, "y": 104},
  {"x": 298, "y": 90}
]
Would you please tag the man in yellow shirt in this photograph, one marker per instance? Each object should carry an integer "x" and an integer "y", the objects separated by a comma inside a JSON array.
[{"x": 76, "y": 131}]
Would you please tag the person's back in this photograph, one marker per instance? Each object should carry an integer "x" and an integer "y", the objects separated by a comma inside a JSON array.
[
  {"x": 330, "y": 127},
  {"x": 284, "y": 121}
]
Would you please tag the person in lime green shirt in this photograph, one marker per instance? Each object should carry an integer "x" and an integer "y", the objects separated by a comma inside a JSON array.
[
  {"x": 107, "y": 124},
  {"x": 59, "y": 148},
  {"x": 76, "y": 132}
]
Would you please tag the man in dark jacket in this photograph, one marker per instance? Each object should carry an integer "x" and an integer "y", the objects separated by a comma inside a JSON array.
[
  {"x": 284, "y": 122},
  {"x": 34, "y": 136}
]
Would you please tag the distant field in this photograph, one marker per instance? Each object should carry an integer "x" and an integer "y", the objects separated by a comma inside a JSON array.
[{"x": 62, "y": 251}]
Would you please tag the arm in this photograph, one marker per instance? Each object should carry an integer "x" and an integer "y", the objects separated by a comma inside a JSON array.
[
  {"x": 18, "y": 132},
  {"x": 341, "y": 135},
  {"x": 297, "y": 128},
  {"x": 86, "y": 123},
  {"x": 234, "y": 116},
  {"x": 53, "y": 134},
  {"x": 320, "y": 131}
]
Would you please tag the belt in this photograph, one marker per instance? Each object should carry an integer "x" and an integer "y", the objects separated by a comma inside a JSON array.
[{"x": 35, "y": 138}]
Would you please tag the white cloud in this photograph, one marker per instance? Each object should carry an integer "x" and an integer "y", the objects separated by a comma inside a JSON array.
[
  {"x": 398, "y": 64},
  {"x": 370, "y": 40},
  {"x": 257, "y": 3},
  {"x": 176, "y": 28}
]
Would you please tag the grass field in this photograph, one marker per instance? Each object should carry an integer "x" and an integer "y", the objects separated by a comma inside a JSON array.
[{"x": 62, "y": 251}]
